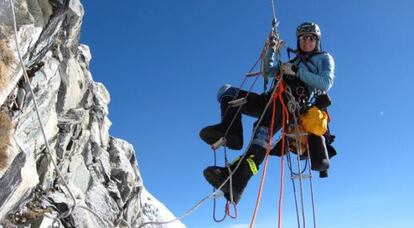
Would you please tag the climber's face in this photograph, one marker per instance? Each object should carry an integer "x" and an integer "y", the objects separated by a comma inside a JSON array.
[{"x": 307, "y": 42}]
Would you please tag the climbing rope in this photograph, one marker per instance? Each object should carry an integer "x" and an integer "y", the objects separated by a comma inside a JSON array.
[
  {"x": 273, "y": 99},
  {"x": 69, "y": 212},
  {"x": 214, "y": 199},
  {"x": 231, "y": 172},
  {"x": 245, "y": 97},
  {"x": 227, "y": 210},
  {"x": 299, "y": 152},
  {"x": 26, "y": 77},
  {"x": 282, "y": 175},
  {"x": 204, "y": 199},
  {"x": 226, "y": 162},
  {"x": 284, "y": 114},
  {"x": 294, "y": 190},
  {"x": 273, "y": 9},
  {"x": 301, "y": 171},
  {"x": 294, "y": 109},
  {"x": 311, "y": 192},
  {"x": 213, "y": 194},
  {"x": 278, "y": 46}
]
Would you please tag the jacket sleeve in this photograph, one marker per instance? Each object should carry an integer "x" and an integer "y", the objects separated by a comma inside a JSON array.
[
  {"x": 270, "y": 63},
  {"x": 322, "y": 80}
]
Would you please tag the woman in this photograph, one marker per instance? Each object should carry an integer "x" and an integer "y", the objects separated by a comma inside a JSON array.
[{"x": 312, "y": 70}]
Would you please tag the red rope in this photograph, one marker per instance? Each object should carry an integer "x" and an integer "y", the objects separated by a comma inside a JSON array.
[
  {"x": 285, "y": 119},
  {"x": 228, "y": 210},
  {"x": 259, "y": 195}
]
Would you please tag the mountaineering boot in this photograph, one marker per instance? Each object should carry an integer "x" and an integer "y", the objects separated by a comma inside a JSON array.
[
  {"x": 234, "y": 137},
  {"x": 216, "y": 175},
  {"x": 323, "y": 174},
  {"x": 318, "y": 153}
]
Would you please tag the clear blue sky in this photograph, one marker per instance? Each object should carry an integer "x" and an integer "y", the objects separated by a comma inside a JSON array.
[{"x": 163, "y": 61}]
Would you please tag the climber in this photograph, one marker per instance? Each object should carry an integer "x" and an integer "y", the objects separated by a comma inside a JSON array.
[{"x": 312, "y": 70}]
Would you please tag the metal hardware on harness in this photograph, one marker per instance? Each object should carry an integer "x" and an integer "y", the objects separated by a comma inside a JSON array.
[
  {"x": 252, "y": 74},
  {"x": 302, "y": 176},
  {"x": 238, "y": 102},
  {"x": 218, "y": 194},
  {"x": 297, "y": 135},
  {"x": 219, "y": 143}
]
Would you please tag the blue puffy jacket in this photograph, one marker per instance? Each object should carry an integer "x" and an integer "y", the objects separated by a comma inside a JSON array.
[{"x": 317, "y": 74}]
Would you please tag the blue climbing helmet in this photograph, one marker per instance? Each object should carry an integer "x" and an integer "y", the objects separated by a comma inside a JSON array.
[{"x": 309, "y": 28}]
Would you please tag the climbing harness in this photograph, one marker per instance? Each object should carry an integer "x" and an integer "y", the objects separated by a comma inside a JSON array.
[
  {"x": 294, "y": 108},
  {"x": 299, "y": 175},
  {"x": 48, "y": 149},
  {"x": 222, "y": 142},
  {"x": 277, "y": 91},
  {"x": 277, "y": 44},
  {"x": 215, "y": 193},
  {"x": 227, "y": 206}
]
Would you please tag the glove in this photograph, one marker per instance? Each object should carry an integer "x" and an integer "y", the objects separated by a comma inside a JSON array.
[
  {"x": 272, "y": 40},
  {"x": 289, "y": 69}
]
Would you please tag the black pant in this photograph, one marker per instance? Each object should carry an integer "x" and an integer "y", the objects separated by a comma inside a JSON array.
[
  {"x": 254, "y": 107},
  {"x": 256, "y": 104}
]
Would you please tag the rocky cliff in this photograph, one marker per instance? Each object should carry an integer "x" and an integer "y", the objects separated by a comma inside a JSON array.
[{"x": 87, "y": 178}]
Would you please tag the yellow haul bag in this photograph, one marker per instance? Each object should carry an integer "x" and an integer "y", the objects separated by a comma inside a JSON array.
[{"x": 315, "y": 121}]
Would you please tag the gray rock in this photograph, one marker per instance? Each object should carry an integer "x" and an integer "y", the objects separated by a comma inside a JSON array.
[{"x": 101, "y": 171}]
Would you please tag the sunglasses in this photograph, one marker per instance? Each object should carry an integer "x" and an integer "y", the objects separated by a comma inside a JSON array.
[{"x": 308, "y": 37}]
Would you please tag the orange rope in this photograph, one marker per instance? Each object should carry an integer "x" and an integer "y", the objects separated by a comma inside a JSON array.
[
  {"x": 285, "y": 119},
  {"x": 228, "y": 209},
  {"x": 259, "y": 195},
  {"x": 279, "y": 95}
]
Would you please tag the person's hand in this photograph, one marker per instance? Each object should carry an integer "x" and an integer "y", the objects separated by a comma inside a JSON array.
[
  {"x": 272, "y": 39},
  {"x": 289, "y": 69}
]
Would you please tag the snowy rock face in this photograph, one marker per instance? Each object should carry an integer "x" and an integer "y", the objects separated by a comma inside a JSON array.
[{"x": 97, "y": 182}]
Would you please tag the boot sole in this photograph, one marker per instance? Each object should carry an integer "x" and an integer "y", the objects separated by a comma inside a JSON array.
[
  {"x": 212, "y": 180},
  {"x": 211, "y": 137}
]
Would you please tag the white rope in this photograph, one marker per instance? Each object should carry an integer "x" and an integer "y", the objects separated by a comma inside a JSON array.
[
  {"x": 26, "y": 77},
  {"x": 273, "y": 10},
  {"x": 311, "y": 190},
  {"x": 68, "y": 213},
  {"x": 295, "y": 107},
  {"x": 292, "y": 177},
  {"x": 298, "y": 139},
  {"x": 214, "y": 193},
  {"x": 298, "y": 154},
  {"x": 203, "y": 200},
  {"x": 292, "y": 105}
]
